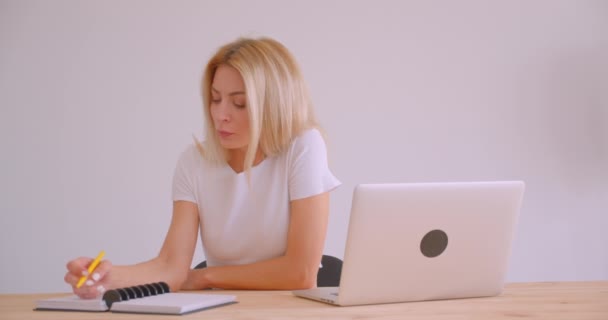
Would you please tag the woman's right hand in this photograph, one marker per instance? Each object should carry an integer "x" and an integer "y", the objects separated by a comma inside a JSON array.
[{"x": 96, "y": 284}]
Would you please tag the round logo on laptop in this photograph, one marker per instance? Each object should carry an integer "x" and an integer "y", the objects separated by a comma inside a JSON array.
[{"x": 434, "y": 243}]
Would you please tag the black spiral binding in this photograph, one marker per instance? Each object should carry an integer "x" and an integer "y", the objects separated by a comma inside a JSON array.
[{"x": 124, "y": 294}]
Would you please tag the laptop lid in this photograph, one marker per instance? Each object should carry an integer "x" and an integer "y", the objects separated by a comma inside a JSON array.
[{"x": 427, "y": 241}]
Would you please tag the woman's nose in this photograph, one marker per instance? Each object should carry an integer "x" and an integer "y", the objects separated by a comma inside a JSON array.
[{"x": 222, "y": 113}]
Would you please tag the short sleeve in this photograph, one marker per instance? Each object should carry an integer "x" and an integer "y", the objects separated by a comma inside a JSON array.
[
  {"x": 309, "y": 173},
  {"x": 183, "y": 180}
]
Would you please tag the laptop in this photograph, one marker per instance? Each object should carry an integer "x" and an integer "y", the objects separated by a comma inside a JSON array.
[{"x": 425, "y": 241}]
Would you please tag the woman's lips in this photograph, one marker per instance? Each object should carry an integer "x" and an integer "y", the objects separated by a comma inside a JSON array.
[{"x": 224, "y": 134}]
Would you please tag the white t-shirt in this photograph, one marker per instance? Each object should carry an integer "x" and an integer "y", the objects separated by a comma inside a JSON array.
[{"x": 243, "y": 223}]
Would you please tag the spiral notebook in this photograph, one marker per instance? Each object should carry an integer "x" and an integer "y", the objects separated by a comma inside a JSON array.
[{"x": 153, "y": 298}]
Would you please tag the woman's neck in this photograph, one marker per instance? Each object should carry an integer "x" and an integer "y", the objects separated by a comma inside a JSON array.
[{"x": 237, "y": 159}]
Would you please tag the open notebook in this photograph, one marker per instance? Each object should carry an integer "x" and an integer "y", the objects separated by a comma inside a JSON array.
[{"x": 149, "y": 298}]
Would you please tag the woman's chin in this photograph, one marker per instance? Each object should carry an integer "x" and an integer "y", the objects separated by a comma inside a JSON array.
[{"x": 233, "y": 146}]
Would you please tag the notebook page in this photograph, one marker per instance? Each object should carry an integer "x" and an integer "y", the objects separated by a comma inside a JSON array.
[
  {"x": 72, "y": 303},
  {"x": 172, "y": 303}
]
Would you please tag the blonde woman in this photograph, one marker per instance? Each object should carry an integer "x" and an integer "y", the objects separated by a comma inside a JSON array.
[{"x": 257, "y": 186}]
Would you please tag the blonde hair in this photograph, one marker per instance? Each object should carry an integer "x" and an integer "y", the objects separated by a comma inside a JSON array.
[{"x": 278, "y": 102}]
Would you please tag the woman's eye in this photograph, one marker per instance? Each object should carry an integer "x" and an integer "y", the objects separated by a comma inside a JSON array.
[
  {"x": 214, "y": 100},
  {"x": 240, "y": 106}
]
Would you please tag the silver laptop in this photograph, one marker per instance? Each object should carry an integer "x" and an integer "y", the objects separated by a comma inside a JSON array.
[{"x": 425, "y": 241}]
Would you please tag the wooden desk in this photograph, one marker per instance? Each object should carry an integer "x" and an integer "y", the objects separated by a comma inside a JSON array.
[{"x": 559, "y": 300}]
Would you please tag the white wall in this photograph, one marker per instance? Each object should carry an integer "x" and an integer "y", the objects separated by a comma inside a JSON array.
[{"x": 98, "y": 98}]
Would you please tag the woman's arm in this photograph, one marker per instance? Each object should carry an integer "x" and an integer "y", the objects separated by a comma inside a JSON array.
[
  {"x": 175, "y": 257},
  {"x": 171, "y": 265},
  {"x": 296, "y": 269}
]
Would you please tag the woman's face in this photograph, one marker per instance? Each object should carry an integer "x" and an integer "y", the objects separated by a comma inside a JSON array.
[{"x": 229, "y": 109}]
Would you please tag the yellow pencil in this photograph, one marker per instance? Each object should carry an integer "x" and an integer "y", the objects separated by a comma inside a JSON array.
[{"x": 92, "y": 267}]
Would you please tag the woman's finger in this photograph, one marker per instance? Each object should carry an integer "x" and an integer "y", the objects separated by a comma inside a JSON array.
[
  {"x": 101, "y": 271},
  {"x": 71, "y": 279},
  {"x": 89, "y": 292},
  {"x": 96, "y": 282},
  {"x": 79, "y": 265}
]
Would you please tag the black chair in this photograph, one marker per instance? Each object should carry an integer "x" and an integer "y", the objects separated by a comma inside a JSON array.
[{"x": 328, "y": 275}]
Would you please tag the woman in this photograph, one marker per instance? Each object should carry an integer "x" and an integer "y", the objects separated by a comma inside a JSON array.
[{"x": 257, "y": 186}]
